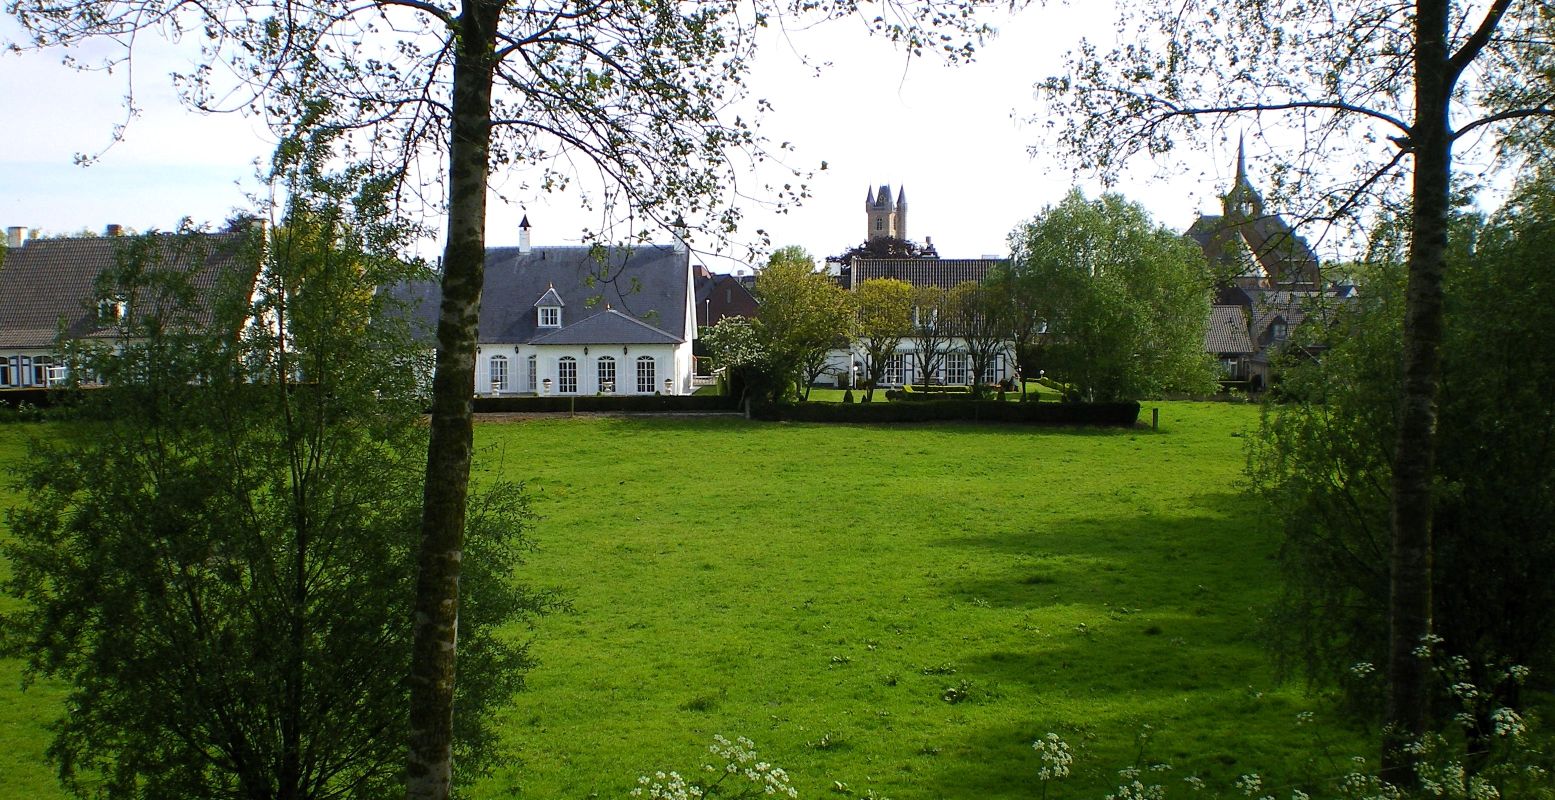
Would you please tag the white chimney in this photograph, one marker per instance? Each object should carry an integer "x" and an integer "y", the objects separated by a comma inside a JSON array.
[
  {"x": 523, "y": 236},
  {"x": 15, "y": 236},
  {"x": 679, "y": 231}
]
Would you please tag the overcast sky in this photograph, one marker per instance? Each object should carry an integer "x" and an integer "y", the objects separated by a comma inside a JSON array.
[{"x": 956, "y": 138}]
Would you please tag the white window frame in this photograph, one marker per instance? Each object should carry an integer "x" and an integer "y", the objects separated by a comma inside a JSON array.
[
  {"x": 550, "y": 317},
  {"x": 605, "y": 374},
  {"x": 534, "y": 381},
  {"x": 647, "y": 374},
  {"x": 895, "y": 369},
  {"x": 498, "y": 372},
  {"x": 567, "y": 375},
  {"x": 957, "y": 370}
]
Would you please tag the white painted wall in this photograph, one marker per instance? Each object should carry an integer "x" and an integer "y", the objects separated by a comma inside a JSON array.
[{"x": 670, "y": 361}]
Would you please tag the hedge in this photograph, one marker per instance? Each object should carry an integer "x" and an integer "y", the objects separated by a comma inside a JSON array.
[
  {"x": 625, "y": 403},
  {"x": 1097, "y": 414}
]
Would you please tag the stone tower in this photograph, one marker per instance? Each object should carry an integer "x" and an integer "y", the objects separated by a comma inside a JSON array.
[{"x": 885, "y": 216}]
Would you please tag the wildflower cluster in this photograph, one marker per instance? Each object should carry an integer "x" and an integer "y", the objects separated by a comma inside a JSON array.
[
  {"x": 742, "y": 775},
  {"x": 1056, "y": 757}
]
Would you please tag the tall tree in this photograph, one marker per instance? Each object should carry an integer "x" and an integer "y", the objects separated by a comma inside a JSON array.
[
  {"x": 643, "y": 93},
  {"x": 882, "y": 318},
  {"x": 1391, "y": 88},
  {"x": 1125, "y": 301},
  {"x": 1322, "y": 459}
]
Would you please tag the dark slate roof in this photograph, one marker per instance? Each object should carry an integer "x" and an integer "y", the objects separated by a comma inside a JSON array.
[
  {"x": 1227, "y": 332},
  {"x": 611, "y": 327},
  {"x": 942, "y": 272},
  {"x": 649, "y": 283},
  {"x": 1282, "y": 255},
  {"x": 48, "y": 286}
]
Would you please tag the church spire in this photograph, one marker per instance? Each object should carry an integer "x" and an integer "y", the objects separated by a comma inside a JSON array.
[{"x": 1241, "y": 161}]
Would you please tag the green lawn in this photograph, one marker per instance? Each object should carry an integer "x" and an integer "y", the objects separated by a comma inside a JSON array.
[{"x": 820, "y": 588}]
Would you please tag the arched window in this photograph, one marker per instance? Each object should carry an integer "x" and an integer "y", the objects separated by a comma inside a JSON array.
[
  {"x": 647, "y": 373},
  {"x": 567, "y": 375},
  {"x": 606, "y": 372},
  {"x": 499, "y": 373},
  {"x": 534, "y": 384}
]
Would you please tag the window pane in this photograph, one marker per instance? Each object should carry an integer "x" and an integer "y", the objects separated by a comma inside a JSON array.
[
  {"x": 607, "y": 375},
  {"x": 567, "y": 375},
  {"x": 646, "y": 373}
]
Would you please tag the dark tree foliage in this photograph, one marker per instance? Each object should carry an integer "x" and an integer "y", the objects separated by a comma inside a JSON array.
[
  {"x": 1323, "y": 460},
  {"x": 220, "y": 562},
  {"x": 886, "y": 247}
]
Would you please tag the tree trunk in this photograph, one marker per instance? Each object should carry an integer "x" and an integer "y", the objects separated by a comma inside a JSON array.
[
  {"x": 1409, "y": 601},
  {"x": 429, "y": 767}
]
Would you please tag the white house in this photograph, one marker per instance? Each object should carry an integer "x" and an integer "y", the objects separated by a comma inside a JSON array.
[{"x": 579, "y": 320}]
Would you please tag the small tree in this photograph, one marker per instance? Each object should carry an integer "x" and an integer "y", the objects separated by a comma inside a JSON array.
[
  {"x": 1126, "y": 301},
  {"x": 804, "y": 316},
  {"x": 223, "y": 571},
  {"x": 984, "y": 320},
  {"x": 934, "y": 326},
  {"x": 1022, "y": 295},
  {"x": 882, "y": 318}
]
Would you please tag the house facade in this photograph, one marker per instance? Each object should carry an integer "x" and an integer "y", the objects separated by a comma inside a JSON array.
[
  {"x": 578, "y": 320},
  {"x": 50, "y": 291}
]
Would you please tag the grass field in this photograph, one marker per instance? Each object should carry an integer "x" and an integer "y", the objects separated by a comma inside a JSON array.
[{"x": 899, "y": 609}]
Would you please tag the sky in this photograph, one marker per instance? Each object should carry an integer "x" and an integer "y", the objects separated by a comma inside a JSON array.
[{"x": 956, "y": 138}]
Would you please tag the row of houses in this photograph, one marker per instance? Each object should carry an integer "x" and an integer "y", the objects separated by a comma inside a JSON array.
[{"x": 623, "y": 320}]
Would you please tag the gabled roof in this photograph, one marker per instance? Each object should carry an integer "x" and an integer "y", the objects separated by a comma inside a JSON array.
[
  {"x": 611, "y": 327},
  {"x": 942, "y": 272},
  {"x": 1227, "y": 331},
  {"x": 550, "y": 298},
  {"x": 49, "y": 286},
  {"x": 650, "y": 283}
]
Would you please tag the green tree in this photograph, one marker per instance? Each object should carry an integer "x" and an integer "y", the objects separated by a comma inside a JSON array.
[
  {"x": 1125, "y": 301},
  {"x": 984, "y": 314},
  {"x": 1022, "y": 295},
  {"x": 882, "y": 319},
  {"x": 221, "y": 566},
  {"x": 1323, "y": 461},
  {"x": 1421, "y": 76},
  {"x": 804, "y": 316}
]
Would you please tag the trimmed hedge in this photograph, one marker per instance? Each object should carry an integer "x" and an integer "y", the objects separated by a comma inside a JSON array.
[
  {"x": 1091, "y": 414},
  {"x": 625, "y": 403}
]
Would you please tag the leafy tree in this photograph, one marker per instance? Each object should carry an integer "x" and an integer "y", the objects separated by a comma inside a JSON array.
[
  {"x": 1021, "y": 294},
  {"x": 983, "y": 313},
  {"x": 1420, "y": 76},
  {"x": 221, "y": 567},
  {"x": 738, "y": 346},
  {"x": 1323, "y": 460},
  {"x": 1125, "y": 301},
  {"x": 934, "y": 327},
  {"x": 642, "y": 93},
  {"x": 882, "y": 318},
  {"x": 804, "y": 316}
]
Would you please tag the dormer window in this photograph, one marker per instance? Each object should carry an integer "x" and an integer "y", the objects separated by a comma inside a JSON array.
[{"x": 548, "y": 309}]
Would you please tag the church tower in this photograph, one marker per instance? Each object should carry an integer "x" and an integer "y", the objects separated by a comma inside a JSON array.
[
  {"x": 1242, "y": 201},
  {"x": 886, "y": 218}
]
